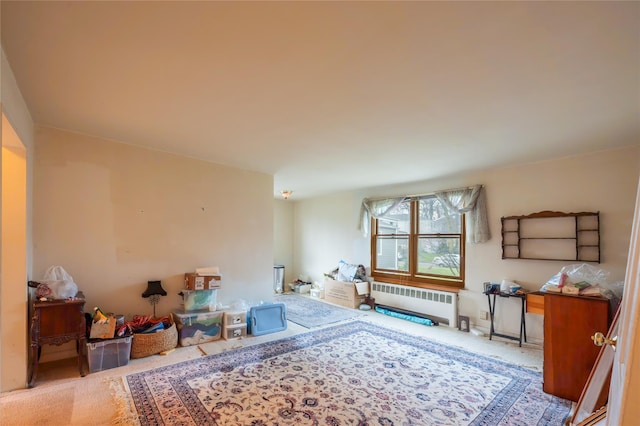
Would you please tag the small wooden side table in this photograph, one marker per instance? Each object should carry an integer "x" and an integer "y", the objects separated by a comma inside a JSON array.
[{"x": 56, "y": 322}]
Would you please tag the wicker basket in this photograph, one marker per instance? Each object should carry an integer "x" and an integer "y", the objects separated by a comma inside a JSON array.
[{"x": 143, "y": 345}]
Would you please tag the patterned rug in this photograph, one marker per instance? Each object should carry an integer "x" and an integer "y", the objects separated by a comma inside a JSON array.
[
  {"x": 355, "y": 373},
  {"x": 313, "y": 313}
]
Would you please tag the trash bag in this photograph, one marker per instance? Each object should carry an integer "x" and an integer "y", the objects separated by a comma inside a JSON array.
[{"x": 60, "y": 283}]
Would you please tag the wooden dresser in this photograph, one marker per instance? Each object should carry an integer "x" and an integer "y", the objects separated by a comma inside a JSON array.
[
  {"x": 56, "y": 322},
  {"x": 569, "y": 352}
]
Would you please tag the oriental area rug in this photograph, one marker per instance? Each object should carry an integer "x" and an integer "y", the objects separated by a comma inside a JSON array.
[
  {"x": 355, "y": 373},
  {"x": 311, "y": 313}
]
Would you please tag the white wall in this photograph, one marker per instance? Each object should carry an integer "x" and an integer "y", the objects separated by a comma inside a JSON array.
[
  {"x": 116, "y": 216},
  {"x": 325, "y": 227}
]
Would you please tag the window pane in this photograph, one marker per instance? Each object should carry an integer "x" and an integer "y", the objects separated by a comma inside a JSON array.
[
  {"x": 392, "y": 253},
  {"x": 439, "y": 256},
  {"x": 422, "y": 231},
  {"x": 435, "y": 218},
  {"x": 397, "y": 221}
]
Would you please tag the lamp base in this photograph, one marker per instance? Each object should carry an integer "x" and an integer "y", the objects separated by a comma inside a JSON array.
[{"x": 154, "y": 299}]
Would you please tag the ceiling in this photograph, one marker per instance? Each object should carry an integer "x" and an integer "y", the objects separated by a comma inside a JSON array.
[{"x": 331, "y": 96}]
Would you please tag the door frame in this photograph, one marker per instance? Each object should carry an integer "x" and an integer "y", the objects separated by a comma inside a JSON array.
[{"x": 622, "y": 409}]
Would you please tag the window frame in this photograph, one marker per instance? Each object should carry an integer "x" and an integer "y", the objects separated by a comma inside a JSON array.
[{"x": 411, "y": 277}]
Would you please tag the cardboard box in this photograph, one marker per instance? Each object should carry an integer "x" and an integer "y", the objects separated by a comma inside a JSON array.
[
  {"x": 103, "y": 331},
  {"x": 347, "y": 294},
  {"x": 202, "y": 282},
  {"x": 198, "y": 327}
]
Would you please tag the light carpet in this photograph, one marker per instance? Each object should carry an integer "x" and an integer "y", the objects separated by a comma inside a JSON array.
[
  {"x": 355, "y": 373},
  {"x": 311, "y": 313}
]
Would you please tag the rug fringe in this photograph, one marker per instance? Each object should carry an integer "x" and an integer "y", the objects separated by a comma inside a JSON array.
[{"x": 126, "y": 413}]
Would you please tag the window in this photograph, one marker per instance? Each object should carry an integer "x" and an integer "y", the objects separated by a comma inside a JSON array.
[{"x": 419, "y": 243}]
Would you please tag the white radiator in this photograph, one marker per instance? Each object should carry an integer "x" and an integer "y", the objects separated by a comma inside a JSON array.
[{"x": 441, "y": 306}]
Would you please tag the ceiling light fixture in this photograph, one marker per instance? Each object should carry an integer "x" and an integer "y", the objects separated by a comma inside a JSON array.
[{"x": 286, "y": 193}]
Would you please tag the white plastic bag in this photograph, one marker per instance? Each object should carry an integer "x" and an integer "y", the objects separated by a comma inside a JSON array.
[
  {"x": 585, "y": 272},
  {"x": 60, "y": 282}
]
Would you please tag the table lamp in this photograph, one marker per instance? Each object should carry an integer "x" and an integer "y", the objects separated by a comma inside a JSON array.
[{"x": 153, "y": 292}]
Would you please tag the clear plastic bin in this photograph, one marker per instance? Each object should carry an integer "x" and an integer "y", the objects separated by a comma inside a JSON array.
[
  {"x": 198, "y": 327},
  {"x": 106, "y": 354}
]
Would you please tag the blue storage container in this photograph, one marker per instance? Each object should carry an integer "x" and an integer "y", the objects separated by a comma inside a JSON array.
[{"x": 269, "y": 318}]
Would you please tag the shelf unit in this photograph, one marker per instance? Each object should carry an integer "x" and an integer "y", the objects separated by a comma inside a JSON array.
[{"x": 552, "y": 235}]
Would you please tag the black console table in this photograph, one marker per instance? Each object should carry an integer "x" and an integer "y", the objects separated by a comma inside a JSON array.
[{"x": 492, "y": 310}]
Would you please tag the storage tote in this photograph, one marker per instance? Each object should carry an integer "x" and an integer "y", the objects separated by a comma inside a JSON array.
[
  {"x": 105, "y": 354},
  {"x": 198, "y": 327},
  {"x": 199, "y": 300},
  {"x": 268, "y": 318}
]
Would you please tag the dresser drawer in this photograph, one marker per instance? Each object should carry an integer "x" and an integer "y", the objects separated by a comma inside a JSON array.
[{"x": 535, "y": 303}]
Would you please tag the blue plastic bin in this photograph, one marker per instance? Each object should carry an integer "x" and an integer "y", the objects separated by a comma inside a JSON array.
[{"x": 269, "y": 318}]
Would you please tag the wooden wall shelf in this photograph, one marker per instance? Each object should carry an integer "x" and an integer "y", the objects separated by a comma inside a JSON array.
[{"x": 552, "y": 235}]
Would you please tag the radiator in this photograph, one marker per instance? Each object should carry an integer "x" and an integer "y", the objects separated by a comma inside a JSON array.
[{"x": 438, "y": 305}]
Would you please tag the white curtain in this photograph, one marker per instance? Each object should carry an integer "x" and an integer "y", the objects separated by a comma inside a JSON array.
[
  {"x": 376, "y": 208},
  {"x": 473, "y": 203}
]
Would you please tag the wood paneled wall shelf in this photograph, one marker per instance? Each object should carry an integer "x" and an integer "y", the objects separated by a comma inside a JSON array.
[{"x": 550, "y": 235}]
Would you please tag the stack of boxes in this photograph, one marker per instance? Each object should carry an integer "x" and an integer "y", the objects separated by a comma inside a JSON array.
[
  {"x": 199, "y": 322},
  {"x": 235, "y": 325},
  {"x": 200, "y": 291}
]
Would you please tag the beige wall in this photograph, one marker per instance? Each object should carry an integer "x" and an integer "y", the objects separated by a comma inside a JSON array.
[
  {"x": 13, "y": 259},
  {"x": 325, "y": 230},
  {"x": 116, "y": 216},
  {"x": 325, "y": 227},
  {"x": 283, "y": 237},
  {"x": 15, "y": 232}
]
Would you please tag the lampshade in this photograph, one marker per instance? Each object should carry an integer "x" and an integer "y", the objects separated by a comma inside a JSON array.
[
  {"x": 153, "y": 288},
  {"x": 286, "y": 193}
]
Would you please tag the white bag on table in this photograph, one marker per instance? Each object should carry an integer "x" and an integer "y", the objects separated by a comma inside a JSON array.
[{"x": 60, "y": 282}]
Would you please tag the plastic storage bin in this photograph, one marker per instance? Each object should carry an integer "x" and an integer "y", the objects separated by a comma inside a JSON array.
[
  {"x": 317, "y": 293},
  {"x": 199, "y": 300},
  {"x": 234, "y": 332},
  {"x": 269, "y": 318},
  {"x": 198, "y": 327},
  {"x": 106, "y": 354},
  {"x": 234, "y": 318}
]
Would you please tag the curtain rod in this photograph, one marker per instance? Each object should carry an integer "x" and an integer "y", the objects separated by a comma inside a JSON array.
[{"x": 426, "y": 193}]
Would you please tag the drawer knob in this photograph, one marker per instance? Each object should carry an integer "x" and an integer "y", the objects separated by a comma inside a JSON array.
[{"x": 600, "y": 339}]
